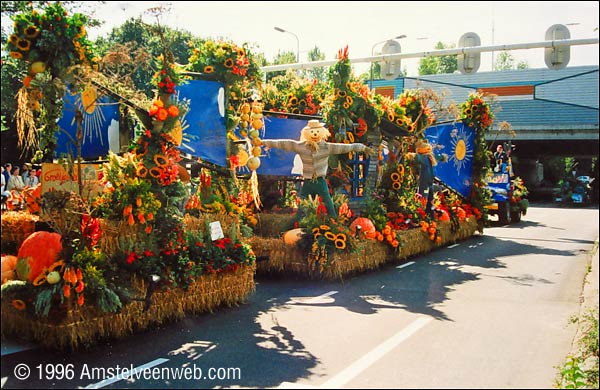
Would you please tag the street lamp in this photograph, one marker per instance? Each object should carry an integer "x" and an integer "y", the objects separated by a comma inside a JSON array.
[
  {"x": 297, "y": 41},
  {"x": 373, "y": 50}
]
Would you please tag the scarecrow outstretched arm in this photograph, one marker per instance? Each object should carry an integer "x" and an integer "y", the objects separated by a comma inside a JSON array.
[
  {"x": 285, "y": 144},
  {"x": 339, "y": 148}
]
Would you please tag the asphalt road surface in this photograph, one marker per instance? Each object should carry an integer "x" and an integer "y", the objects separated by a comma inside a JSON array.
[{"x": 490, "y": 312}]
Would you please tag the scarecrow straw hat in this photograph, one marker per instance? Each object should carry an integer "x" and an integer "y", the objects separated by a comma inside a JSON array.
[{"x": 314, "y": 124}]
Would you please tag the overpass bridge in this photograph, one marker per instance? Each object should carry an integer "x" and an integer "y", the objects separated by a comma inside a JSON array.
[{"x": 552, "y": 112}]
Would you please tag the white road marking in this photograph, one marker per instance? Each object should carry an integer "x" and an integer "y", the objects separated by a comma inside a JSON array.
[
  {"x": 128, "y": 374},
  {"x": 453, "y": 246},
  {"x": 374, "y": 355},
  {"x": 405, "y": 265}
]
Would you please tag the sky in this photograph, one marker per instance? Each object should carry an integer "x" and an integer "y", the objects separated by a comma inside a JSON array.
[{"x": 365, "y": 26}]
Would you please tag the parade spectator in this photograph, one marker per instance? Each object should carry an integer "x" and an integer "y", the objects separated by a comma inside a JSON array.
[
  {"x": 34, "y": 177},
  {"x": 7, "y": 170},
  {"x": 25, "y": 172},
  {"x": 3, "y": 181},
  {"x": 15, "y": 182}
]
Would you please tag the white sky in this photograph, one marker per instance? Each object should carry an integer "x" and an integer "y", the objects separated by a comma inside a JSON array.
[{"x": 360, "y": 25}]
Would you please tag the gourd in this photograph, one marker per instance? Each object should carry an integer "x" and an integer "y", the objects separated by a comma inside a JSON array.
[{"x": 41, "y": 249}]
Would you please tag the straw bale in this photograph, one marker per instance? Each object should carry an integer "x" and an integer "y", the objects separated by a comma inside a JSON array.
[{"x": 73, "y": 328}]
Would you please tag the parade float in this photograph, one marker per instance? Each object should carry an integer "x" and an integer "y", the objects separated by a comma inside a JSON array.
[
  {"x": 382, "y": 216},
  {"x": 136, "y": 241},
  {"x": 100, "y": 258}
]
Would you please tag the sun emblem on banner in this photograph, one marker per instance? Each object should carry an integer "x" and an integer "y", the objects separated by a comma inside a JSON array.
[
  {"x": 462, "y": 149},
  {"x": 93, "y": 117}
]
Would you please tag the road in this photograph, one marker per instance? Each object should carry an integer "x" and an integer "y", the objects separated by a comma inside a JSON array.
[{"x": 491, "y": 312}]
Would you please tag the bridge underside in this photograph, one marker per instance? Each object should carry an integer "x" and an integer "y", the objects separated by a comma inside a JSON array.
[{"x": 555, "y": 147}]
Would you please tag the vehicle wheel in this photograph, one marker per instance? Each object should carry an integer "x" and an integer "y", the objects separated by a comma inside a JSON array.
[
  {"x": 515, "y": 216},
  {"x": 504, "y": 213}
]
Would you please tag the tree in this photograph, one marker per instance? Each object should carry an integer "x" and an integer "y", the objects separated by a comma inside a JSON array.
[
  {"x": 318, "y": 73},
  {"x": 135, "y": 45},
  {"x": 285, "y": 57},
  {"x": 506, "y": 61},
  {"x": 439, "y": 65}
]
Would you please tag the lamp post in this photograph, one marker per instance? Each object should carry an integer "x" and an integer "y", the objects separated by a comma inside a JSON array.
[
  {"x": 297, "y": 41},
  {"x": 373, "y": 50}
]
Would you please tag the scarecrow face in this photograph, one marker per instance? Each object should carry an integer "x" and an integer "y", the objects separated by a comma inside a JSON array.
[{"x": 315, "y": 134}]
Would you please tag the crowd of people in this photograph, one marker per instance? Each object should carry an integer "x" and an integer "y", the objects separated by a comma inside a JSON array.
[{"x": 17, "y": 179}]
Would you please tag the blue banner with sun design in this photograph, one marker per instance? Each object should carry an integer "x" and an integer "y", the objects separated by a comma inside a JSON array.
[
  {"x": 203, "y": 126},
  {"x": 453, "y": 146},
  {"x": 100, "y": 125}
]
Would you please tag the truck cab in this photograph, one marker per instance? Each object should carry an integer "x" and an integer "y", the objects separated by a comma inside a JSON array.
[{"x": 502, "y": 184}]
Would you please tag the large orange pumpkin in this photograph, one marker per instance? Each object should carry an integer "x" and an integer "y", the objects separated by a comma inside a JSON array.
[
  {"x": 368, "y": 229},
  {"x": 41, "y": 249},
  {"x": 8, "y": 267}
]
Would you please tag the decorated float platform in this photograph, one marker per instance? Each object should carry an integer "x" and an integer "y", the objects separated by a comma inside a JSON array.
[
  {"x": 69, "y": 325},
  {"x": 281, "y": 255}
]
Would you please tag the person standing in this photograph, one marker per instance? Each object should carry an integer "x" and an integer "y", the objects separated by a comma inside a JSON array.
[{"x": 500, "y": 159}]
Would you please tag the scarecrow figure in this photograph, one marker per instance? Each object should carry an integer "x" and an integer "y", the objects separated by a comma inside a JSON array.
[
  {"x": 426, "y": 160},
  {"x": 314, "y": 152}
]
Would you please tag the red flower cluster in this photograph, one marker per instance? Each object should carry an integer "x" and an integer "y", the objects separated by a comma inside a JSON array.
[{"x": 165, "y": 84}]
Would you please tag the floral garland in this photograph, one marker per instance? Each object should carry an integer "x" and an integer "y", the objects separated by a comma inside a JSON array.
[
  {"x": 292, "y": 94},
  {"x": 477, "y": 113},
  {"x": 52, "y": 43},
  {"x": 52, "y": 40},
  {"x": 350, "y": 101},
  {"x": 327, "y": 235}
]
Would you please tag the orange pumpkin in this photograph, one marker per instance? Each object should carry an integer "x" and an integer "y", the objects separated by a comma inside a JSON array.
[
  {"x": 443, "y": 216},
  {"x": 41, "y": 249},
  {"x": 291, "y": 237},
  {"x": 368, "y": 229},
  {"x": 8, "y": 267}
]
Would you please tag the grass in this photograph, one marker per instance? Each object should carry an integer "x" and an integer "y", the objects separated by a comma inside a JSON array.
[{"x": 580, "y": 370}]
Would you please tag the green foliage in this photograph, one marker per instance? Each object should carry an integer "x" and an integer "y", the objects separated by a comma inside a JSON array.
[
  {"x": 107, "y": 300},
  {"x": 506, "y": 61},
  {"x": 581, "y": 369},
  {"x": 438, "y": 65},
  {"x": 318, "y": 73},
  {"x": 44, "y": 298},
  {"x": 573, "y": 375}
]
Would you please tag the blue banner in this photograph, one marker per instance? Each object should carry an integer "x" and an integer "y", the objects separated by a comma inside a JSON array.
[
  {"x": 100, "y": 128},
  {"x": 276, "y": 161},
  {"x": 204, "y": 133},
  {"x": 455, "y": 143}
]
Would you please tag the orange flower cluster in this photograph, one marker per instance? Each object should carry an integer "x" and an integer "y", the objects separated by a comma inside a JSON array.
[
  {"x": 389, "y": 234},
  {"x": 159, "y": 112},
  {"x": 432, "y": 230},
  {"x": 142, "y": 217},
  {"x": 73, "y": 278}
]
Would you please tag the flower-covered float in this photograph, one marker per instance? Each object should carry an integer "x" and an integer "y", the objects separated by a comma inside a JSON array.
[
  {"x": 126, "y": 256},
  {"x": 382, "y": 214}
]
